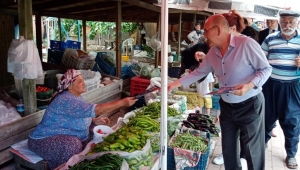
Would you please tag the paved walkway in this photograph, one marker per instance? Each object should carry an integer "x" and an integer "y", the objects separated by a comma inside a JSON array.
[{"x": 275, "y": 153}]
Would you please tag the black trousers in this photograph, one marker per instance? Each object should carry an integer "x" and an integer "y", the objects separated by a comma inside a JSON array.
[
  {"x": 283, "y": 104},
  {"x": 246, "y": 117}
]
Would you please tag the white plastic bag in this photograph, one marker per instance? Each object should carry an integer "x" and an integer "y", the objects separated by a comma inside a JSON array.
[
  {"x": 7, "y": 113},
  {"x": 24, "y": 60},
  {"x": 156, "y": 81}
]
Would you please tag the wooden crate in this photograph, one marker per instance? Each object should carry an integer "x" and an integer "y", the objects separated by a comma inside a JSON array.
[
  {"x": 22, "y": 164},
  {"x": 16, "y": 131}
]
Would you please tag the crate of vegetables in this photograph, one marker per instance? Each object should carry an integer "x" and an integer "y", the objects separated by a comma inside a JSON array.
[{"x": 183, "y": 144}]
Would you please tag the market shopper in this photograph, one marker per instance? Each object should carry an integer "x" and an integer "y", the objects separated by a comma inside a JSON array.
[
  {"x": 282, "y": 90},
  {"x": 237, "y": 25},
  {"x": 196, "y": 35},
  {"x": 64, "y": 129},
  {"x": 204, "y": 85},
  {"x": 238, "y": 62},
  {"x": 272, "y": 27}
]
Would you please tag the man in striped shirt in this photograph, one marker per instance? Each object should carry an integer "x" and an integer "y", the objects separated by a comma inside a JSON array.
[{"x": 282, "y": 90}]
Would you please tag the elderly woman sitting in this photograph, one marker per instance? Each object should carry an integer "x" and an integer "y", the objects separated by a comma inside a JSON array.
[{"x": 64, "y": 129}]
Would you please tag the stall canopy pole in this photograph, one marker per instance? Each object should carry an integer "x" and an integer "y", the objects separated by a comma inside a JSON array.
[{"x": 164, "y": 83}]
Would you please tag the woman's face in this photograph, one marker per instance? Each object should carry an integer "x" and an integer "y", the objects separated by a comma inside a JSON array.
[
  {"x": 78, "y": 87},
  {"x": 198, "y": 27}
]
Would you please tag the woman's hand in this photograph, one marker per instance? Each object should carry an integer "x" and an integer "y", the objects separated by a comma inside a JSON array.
[
  {"x": 129, "y": 101},
  {"x": 101, "y": 121}
]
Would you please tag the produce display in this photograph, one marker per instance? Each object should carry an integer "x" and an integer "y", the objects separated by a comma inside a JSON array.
[
  {"x": 193, "y": 98},
  {"x": 153, "y": 110},
  {"x": 189, "y": 142},
  {"x": 140, "y": 160},
  {"x": 42, "y": 89},
  {"x": 201, "y": 122},
  {"x": 104, "y": 162},
  {"x": 144, "y": 122},
  {"x": 126, "y": 139}
]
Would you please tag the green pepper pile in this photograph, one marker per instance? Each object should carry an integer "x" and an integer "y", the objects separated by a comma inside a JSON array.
[
  {"x": 153, "y": 110},
  {"x": 104, "y": 162},
  {"x": 126, "y": 139},
  {"x": 144, "y": 122},
  {"x": 143, "y": 160}
]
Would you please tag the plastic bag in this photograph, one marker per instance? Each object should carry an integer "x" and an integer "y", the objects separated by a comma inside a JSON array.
[
  {"x": 24, "y": 60},
  {"x": 156, "y": 81},
  {"x": 154, "y": 42},
  {"x": 145, "y": 72},
  {"x": 155, "y": 73},
  {"x": 7, "y": 113}
]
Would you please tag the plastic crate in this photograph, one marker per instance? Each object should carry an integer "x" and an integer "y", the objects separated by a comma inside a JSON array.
[
  {"x": 174, "y": 72},
  {"x": 73, "y": 44},
  {"x": 138, "y": 85},
  {"x": 130, "y": 73},
  {"x": 78, "y": 63},
  {"x": 103, "y": 65},
  {"x": 201, "y": 164},
  {"x": 57, "y": 45},
  {"x": 137, "y": 47},
  {"x": 97, "y": 68},
  {"x": 55, "y": 56},
  {"x": 91, "y": 79}
]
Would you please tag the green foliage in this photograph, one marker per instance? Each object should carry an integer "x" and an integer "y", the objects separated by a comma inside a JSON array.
[
  {"x": 71, "y": 27},
  {"x": 149, "y": 50}
]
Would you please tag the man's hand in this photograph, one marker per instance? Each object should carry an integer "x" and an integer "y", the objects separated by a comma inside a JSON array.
[
  {"x": 297, "y": 61},
  {"x": 101, "y": 121},
  {"x": 199, "y": 55},
  {"x": 241, "y": 89},
  {"x": 173, "y": 85}
]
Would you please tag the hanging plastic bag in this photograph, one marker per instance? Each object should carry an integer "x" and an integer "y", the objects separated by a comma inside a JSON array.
[{"x": 24, "y": 60}]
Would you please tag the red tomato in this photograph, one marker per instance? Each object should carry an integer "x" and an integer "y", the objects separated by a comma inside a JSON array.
[{"x": 100, "y": 131}]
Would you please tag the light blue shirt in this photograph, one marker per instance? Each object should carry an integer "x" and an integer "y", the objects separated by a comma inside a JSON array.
[
  {"x": 244, "y": 62},
  {"x": 66, "y": 115}
]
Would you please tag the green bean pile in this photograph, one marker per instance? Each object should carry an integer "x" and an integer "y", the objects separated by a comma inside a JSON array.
[
  {"x": 189, "y": 142},
  {"x": 104, "y": 162},
  {"x": 153, "y": 110}
]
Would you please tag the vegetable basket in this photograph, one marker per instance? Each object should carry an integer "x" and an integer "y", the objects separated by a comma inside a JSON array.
[{"x": 171, "y": 165}]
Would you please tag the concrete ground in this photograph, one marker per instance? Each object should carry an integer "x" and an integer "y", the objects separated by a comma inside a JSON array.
[{"x": 275, "y": 153}]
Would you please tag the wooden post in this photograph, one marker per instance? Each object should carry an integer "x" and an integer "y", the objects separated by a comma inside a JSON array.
[
  {"x": 38, "y": 30},
  {"x": 118, "y": 40},
  {"x": 59, "y": 28},
  {"x": 156, "y": 60},
  {"x": 179, "y": 36},
  {"x": 195, "y": 19},
  {"x": 25, "y": 20},
  {"x": 84, "y": 34}
]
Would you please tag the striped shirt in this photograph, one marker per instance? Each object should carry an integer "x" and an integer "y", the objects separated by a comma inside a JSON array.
[{"x": 281, "y": 54}]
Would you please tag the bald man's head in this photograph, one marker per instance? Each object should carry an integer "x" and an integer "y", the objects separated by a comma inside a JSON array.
[
  {"x": 218, "y": 20},
  {"x": 216, "y": 28}
]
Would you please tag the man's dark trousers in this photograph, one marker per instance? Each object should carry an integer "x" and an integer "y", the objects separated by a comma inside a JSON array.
[
  {"x": 246, "y": 117},
  {"x": 283, "y": 104}
]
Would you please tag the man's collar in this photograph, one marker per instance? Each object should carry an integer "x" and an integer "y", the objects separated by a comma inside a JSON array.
[{"x": 232, "y": 42}]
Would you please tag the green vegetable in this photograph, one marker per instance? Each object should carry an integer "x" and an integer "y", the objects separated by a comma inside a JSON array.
[{"x": 104, "y": 162}]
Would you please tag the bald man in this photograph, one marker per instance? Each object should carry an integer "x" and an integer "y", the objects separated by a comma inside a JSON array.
[{"x": 239, "y": 63}]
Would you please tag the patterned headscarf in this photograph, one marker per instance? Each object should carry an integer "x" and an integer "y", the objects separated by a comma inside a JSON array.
[{"x": 66, "y": 80}]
